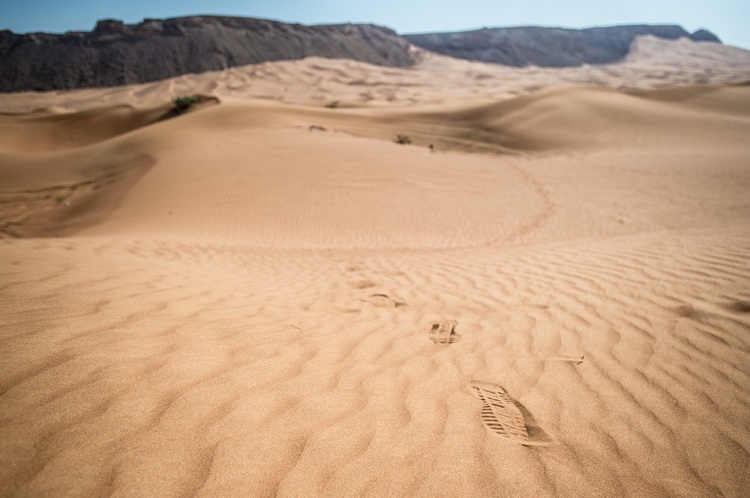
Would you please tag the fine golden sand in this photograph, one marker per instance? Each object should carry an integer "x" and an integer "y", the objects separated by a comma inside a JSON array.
[{"x": 546, "y": 294}]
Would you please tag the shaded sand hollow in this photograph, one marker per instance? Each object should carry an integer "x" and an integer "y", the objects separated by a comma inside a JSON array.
[{"x": 267, "y": 297}]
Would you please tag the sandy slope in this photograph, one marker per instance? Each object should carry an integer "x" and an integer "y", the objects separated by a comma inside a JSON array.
[{"x": 230, "y": 303}]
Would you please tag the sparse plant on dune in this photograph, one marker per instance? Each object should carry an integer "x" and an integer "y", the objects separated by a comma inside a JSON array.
[
  {"x": 402, "y": 139},
  {"x": 182, "y": 103},
  {"x": 332, "y": 105}
]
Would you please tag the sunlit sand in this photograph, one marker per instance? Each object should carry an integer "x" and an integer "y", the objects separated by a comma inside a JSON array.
[{"x": 544, "y": 294}]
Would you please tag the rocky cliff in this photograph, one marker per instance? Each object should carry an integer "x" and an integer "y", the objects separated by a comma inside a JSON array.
[
  {"x": 548, "y": 47},
  {"x": 115, "y": 53}
]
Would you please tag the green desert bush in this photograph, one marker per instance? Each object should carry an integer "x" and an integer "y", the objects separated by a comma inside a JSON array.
[
  {"x": 402, "y": 139},
  {"x": 184, "y": 102},
  {"x": 332, "y": 105}
]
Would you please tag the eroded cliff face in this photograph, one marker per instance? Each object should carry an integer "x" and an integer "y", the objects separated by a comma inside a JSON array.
[
  {"x": 115, "y": 53},
  {"x": 548, "y": 47}
]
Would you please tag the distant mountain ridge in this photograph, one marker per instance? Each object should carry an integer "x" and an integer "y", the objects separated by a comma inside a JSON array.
[
  {"x": 548, "y": 47},
  {"x": 115, "y": 53}
]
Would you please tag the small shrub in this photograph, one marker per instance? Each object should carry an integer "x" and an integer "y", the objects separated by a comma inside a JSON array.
[
  {"x": 402, "y": 139},
  {"x": 332, "y": 105},
  {"x": 183, "y": 103}
]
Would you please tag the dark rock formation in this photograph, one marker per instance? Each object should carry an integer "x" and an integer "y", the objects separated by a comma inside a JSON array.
[
  {"x": 705, "y": 35},
  {"x": 548, "y": 47},
  {"x": 115, "y": 53}
]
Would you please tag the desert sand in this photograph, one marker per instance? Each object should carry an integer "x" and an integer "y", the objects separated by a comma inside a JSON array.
[{"x": 546, "y": 294}]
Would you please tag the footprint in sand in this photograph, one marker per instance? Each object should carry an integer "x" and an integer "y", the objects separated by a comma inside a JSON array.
[
  {"x": 685, "y": 310},
  {"x": 361, "y": 284},
  {"x": 383, "y": 301},
  {"x": 577, "y": 359},
  {"x": 500, "y": 413},
  {"x": 698, "y": 311},
  {"x": 444, "y": 332},
  {"x": 739, "y": 306}
]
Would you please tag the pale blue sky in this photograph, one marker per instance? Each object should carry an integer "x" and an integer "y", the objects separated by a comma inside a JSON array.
[{"x": 729, "y": 19}]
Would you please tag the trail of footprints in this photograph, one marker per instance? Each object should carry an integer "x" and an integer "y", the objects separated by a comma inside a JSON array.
[
  {"x": 18, "y": 208},
  {"x": 500, "y": 413},
  {"x": 379, "y": 300}
]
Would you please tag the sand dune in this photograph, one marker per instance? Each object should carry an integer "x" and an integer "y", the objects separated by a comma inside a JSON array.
[{"x": 268, "y": 297}]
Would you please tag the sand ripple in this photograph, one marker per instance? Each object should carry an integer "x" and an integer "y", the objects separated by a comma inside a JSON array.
[{"x": 248, "y": 307}]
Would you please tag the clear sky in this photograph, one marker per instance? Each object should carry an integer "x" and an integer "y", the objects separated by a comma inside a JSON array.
[{"x": 729, "y": 19}]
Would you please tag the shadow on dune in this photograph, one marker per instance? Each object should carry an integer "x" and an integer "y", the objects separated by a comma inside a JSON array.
[
  {"x": 66, "y": 171},
  {"x": 63, "y": 208},
  {"x": 536, "y": 433},
  {"x": 55, "y": 129},
  {"x": 560, "y": 119},
  {"x": 58, "y": 166}
]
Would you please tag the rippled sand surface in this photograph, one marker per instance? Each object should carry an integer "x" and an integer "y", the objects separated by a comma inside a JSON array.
[{"x": 546, "y": 294}]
